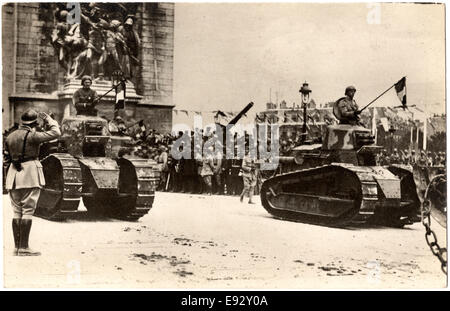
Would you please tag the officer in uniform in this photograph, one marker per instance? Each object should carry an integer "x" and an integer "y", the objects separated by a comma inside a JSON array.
[
  {"x": 345, "y": 109},
  {"x": 25, "y": 176},
  {"x": 85, "y": 99}
]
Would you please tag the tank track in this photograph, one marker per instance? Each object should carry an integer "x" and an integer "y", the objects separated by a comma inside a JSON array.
[
  {"x": 61, "y": 195},
  {"x": 334, "y": 195},
  {"x": 137, "y": 184}
]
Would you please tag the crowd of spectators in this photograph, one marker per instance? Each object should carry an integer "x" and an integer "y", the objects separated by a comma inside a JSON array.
[{"x": 406, "y": 157}]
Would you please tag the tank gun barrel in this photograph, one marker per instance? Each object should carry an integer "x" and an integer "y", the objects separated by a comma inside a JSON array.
[{"x": 241, "y": 113}]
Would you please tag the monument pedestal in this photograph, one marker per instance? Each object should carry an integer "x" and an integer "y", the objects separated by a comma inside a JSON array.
[{"x": 106, "y": 105}]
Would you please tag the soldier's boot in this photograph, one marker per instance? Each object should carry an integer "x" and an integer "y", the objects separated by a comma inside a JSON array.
[
  {"x": 24, "y": 249},
  {"x": 250, "y": 196},
  {"x": 241, "y": 197},
  {"x": 16, "y": 234}
]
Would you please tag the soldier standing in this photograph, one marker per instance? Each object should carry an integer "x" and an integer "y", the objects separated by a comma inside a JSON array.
[
  {"x": 163, "y": 159},
  {"x": 249, "y": 178},
  {"x": 218, "y": 185},
  {"x": 25, "y": 176},
  {"x": 206, "y": 172},
  {"x": 85, "y": 99},
  {"x": 346, "y": 109}
]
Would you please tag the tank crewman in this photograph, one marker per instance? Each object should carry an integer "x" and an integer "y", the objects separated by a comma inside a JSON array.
[
  {"x": 345, "y": 109},
  {"x": 25, "y": 176},
  {"x": 85, "y": 99},
  {"x": 249, "y": 178}
]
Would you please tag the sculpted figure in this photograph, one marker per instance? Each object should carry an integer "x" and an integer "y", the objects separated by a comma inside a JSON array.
[{"x": 130, "y": 59}]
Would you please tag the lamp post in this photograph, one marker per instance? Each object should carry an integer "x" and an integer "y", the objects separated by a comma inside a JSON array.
[{"x": 304, "y": 90}]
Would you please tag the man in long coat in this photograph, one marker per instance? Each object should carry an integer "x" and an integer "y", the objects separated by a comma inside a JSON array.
[{"x": 25, "y": 176}]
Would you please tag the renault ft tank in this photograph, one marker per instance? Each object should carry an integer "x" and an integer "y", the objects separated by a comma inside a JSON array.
[
  {"x": 337, "y": 183},
  {"x": 91, "y": 170}
]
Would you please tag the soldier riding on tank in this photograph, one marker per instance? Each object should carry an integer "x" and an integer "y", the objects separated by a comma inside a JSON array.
[
  {"x": 345, "y": 109},
  {"x": 85, "y": 98}
]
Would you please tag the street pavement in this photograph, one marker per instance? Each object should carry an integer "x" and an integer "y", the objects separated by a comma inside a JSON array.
[{"x": 216, "y": 242}]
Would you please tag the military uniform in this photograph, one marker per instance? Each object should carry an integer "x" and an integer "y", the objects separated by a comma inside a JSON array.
[
  {"x": 84, "y": 102},
  {"x": 395, "y": 158},
  {"x": 345, "y": 111},
  {"x": 163, "y": 162},
  {"x": 249, "y": 177},
  {"x": 218, "y": 184},
  {"x": 207, "y": 172},
  {"x": 25, "y": 176},
  {"x": 84, "y": 99}
]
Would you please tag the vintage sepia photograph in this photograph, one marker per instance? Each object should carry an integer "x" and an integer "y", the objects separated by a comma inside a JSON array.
[{"x": 224, "y": 146}]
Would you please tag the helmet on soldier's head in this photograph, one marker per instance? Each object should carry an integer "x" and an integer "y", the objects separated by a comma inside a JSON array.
[
  {"x": 29, "y": 117},
  {"x": 84, "y": 78},
  {"x": 349, "y": 88}
]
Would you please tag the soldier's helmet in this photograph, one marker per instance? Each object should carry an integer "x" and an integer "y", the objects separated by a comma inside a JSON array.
[
  {"x": 29, "y": 117},
  {"x": 84, "y": 78},
  {"x": 349, "y": 88}
]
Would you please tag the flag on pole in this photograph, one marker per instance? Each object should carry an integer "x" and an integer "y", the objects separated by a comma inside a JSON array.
[
  {"x": 400, "y": 88},
  {"x": 120, "y": 95}
]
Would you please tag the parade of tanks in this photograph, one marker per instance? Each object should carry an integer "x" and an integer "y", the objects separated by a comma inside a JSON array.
[{"x": 142, "y": 194}]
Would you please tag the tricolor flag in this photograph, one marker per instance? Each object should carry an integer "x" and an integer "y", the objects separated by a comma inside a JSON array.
[
  {"x": 120, "y": 95},
  {"x": 400, "y": 88}
]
